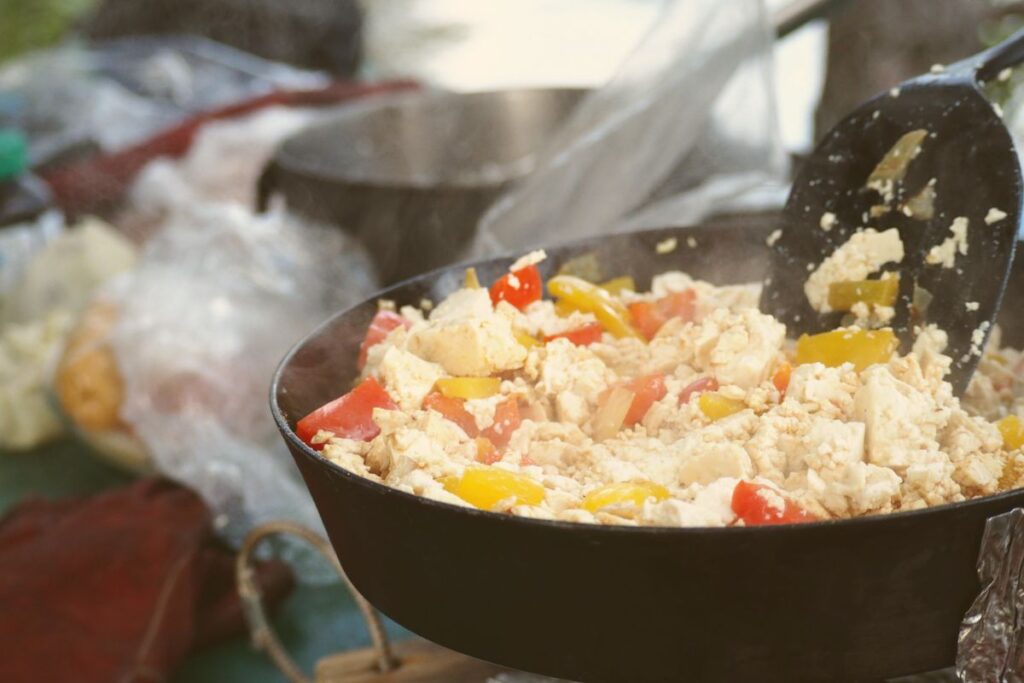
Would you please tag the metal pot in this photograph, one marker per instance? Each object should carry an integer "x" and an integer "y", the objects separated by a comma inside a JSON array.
[{"x": 410, "y": 175}]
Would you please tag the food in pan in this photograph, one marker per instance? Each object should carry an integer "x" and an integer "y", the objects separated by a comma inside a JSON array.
[{"x": 680, "y": 406}]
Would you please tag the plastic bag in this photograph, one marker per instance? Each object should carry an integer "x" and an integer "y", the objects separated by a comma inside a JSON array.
[
  {"x": 223, "y": 164},
  {"x": 219, "y": 297},
  {"x": 686, "y": 125},
  {"x": 65, "y": 99},
  {"x": 62, "y": 273},
  {"x": 19, "y": 244}
]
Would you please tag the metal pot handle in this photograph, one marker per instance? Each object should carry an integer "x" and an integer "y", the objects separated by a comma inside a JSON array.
[{"x": 263, "y": 636}]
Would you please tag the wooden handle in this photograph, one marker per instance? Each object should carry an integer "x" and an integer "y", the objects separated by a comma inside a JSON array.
[
  {"x": 376, "y": 661},
  {"x": 419, "y": 662}
]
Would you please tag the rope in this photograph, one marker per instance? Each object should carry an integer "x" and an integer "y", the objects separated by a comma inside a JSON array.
[{"x": 263, "y": 636}]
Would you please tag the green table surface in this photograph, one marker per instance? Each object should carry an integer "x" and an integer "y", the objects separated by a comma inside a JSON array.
[{"x": 315, "y": 621}]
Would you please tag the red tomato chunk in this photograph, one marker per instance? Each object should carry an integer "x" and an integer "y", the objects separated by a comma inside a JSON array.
[
  {"x": 380, "y": 328},
  {"x": 649, "y": 316},
  {"x": 753, "y": 503},
  {"x": 520, "y": 288},
  {"x": 349, "y": 416}
]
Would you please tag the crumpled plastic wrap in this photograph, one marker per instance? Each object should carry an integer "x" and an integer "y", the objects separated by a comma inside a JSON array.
[
  {"x": 991, "y": 643},
  {"x": 218, "y": 298},
  {"x": 685, "y": 126},
  {"x": 168, "y": 369}
]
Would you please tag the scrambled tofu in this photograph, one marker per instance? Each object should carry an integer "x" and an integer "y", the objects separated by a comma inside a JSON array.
[
  {"x": 862, "y": 255},
  {"x": 945, "y": 254},
  {"x": 599, "y": 428},
  {"x": 468, "y": 337}
]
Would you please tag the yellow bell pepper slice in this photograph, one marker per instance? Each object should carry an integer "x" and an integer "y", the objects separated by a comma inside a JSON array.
[
  {"x": 471, "y": 281},
  {"x": 526, "y": 340},
  {"x": 584, "y": 296},
  {"x": 618, "y": 494},
  {"x": 860, "y": 347},
  {"x": 484, "y": 487},
  {"x": 564, "y": 309},
  {"x": 1013, "y": 474},
  {"x": 715, "y": 406},
  {"x": 843, "y": 295},
  {"x": 469, "y": 387},
  {"x": 1013, "y": 432},
  {"x": 618, "y": 285}
]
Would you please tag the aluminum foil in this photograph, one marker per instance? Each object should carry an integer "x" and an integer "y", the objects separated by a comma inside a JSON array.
[
  {"x": 517, "y": 677},
  {"x": 991, "y": 643}
]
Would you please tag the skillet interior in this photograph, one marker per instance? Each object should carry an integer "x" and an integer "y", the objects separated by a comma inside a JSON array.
[{"x": 846, "y": 600}]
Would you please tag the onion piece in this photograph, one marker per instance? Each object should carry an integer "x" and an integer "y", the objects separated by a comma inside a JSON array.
[
  {"x": 611, "y": 414},
  {"x": 893, "y": 166},
  {"x": 618, "y": 285},
  {"x": 922, "y": 205}
]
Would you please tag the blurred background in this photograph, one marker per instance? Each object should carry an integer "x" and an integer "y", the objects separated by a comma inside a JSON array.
[{"x": 188, "y": 186}]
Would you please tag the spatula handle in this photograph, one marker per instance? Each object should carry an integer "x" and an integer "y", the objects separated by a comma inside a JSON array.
[{"x": 1006, "y": 54}]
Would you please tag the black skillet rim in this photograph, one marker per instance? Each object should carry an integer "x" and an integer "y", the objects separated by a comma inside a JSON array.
[{"x": 681, "y": 532}]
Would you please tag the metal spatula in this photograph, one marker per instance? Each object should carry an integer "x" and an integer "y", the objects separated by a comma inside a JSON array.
[{"x": 958, "y": 160}]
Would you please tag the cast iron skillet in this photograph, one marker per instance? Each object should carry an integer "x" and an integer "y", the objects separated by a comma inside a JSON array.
[{"x": 831, "y": 601}]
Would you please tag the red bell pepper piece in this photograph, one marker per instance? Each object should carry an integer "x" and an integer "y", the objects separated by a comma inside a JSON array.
[
  {"x": 647, "y": 390},
  {"x": 697, "y": 386},
  {"x": 758, "y": 505},
  {"x": 486, "y": 452},
  {"x": 349, "y": 416},
  {"x": 454, "y": 409},
  {"x": 380, "y": 328},
  {"x": 506, "y": 420},
  {"x": 581, "y": 336},
  {"x": 649, "y": 316}
]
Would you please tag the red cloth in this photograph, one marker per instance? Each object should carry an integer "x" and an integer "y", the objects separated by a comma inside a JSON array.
[{"x": 115, "y": 587}]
